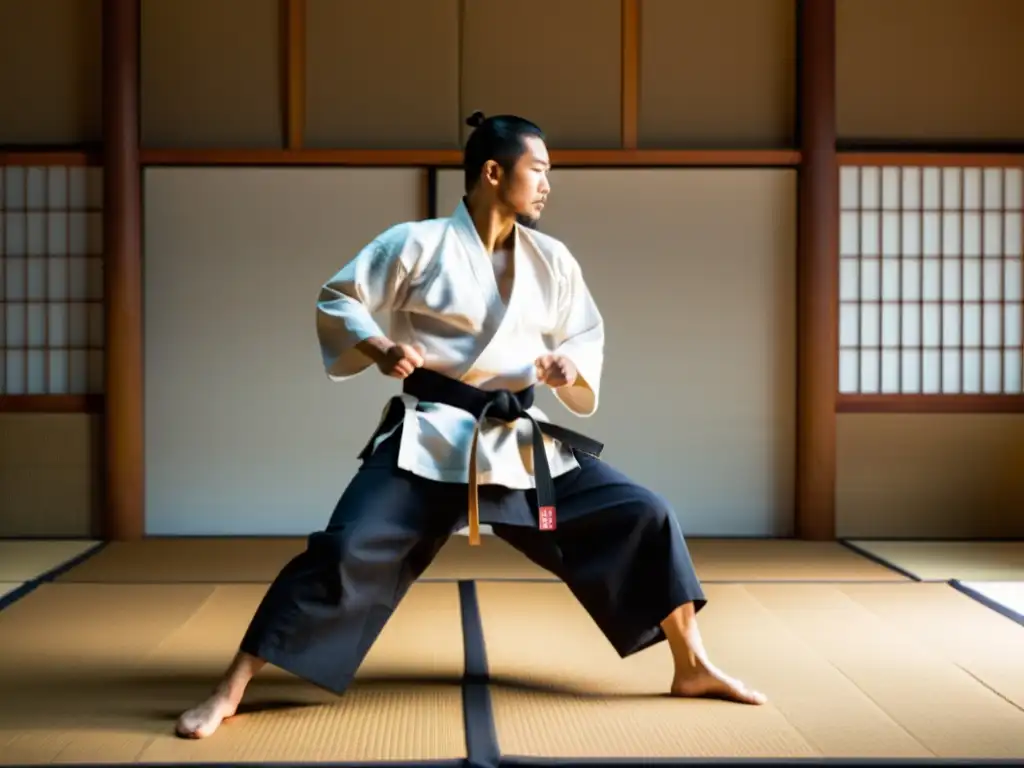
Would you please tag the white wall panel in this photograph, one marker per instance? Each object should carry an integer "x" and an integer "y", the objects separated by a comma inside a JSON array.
[{"x": 244, "y": 432}]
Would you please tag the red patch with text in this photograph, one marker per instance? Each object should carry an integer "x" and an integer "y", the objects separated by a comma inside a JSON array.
[{"x": 547, "y": 518}]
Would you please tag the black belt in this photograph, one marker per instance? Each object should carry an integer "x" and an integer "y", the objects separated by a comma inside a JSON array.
[{"x": 506, "y": 406}]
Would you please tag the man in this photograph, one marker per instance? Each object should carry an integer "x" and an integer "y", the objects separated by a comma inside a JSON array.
[{"x": 483, "y": 307}]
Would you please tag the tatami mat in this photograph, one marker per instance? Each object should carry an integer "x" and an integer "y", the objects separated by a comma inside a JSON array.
[
  {"x": 493, "y": 559},
  {"x": 174, "y": 560},
  {"x": 1006, "y": 594},
  {"x": 104, "y": 671},
  {"x": 257, "y": 560},
  {"x": 853, "y": 670},
  {"x": 26, "y": 559},
  {"x": 714, "y": 559},
  {"x": 946, "y": 560},
  {"x": 747, "y": 560}
]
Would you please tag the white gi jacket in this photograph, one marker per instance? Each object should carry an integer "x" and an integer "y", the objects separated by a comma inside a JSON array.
[{"x": 435, "y": 280}]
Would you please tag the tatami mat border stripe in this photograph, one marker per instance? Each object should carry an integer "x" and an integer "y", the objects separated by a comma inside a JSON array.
[
  {"x": 532, "y": 762},
  {"x": 989, "y": 603},
  {"x": 50, "y": 575},
  {"x": 606, "y": 763},
  {"x": 533, "y": 580},
  {"x": 269, "y": 764},
  {"x": 482, "y": 749},
  {"x": 879, "y": 560},
  {"x": 729, "y": 762}
]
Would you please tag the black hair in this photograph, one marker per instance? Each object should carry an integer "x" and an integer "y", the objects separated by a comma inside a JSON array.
[{"x": 499, "y": 138}]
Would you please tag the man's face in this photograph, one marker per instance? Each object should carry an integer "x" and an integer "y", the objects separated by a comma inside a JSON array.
[{"x": 526, "y": 188}]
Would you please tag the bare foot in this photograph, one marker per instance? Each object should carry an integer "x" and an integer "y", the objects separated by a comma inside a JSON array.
[
  {"x": 695, "y": 676},
  {"x": 704, "y": 681},
  {"x": 202, "y": 720}
]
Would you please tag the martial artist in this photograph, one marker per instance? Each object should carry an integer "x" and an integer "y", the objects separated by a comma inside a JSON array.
[{"x": 483, "y": 308}]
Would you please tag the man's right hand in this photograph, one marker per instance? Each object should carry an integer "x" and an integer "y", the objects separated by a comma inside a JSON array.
[{"x": 395, "y": 360}]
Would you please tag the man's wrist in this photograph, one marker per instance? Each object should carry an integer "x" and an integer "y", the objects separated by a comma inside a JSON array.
[{"x": 376, "y": 347}]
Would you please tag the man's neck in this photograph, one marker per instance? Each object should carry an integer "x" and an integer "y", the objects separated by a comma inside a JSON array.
[{"x": 494, "y": 226}]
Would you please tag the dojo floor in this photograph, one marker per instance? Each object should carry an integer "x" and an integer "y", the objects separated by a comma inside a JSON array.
[{"x": 868, "y": 650}]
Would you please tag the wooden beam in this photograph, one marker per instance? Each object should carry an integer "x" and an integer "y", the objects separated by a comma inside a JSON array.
[
  {"x": 429, "y": 157},
  {"x": 976, "y": 403},
  {"x": 936, "y": 159},
  {"x": 293, "y": 76},
  {"x": 613, "y": 158},
  {"x": 817, "y": 269},
  {"x": 50, "y": 157},
  {"x": 630, "y": 72},
  {"x": 123, "y": 513},
  {"x": 51, "y": 403}
]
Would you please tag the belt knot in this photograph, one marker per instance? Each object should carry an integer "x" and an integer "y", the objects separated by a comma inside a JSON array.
[{"x": 504, "y": 405}]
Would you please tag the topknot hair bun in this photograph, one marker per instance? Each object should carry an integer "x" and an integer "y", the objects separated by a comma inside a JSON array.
[{"x": 475, "y": 120}]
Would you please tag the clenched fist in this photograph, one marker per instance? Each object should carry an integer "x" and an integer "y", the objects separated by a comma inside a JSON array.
[
  {"x": 400, "y": 360},
  {"x": 556, "y": 371},
  {"x": 396, "y": 360}
]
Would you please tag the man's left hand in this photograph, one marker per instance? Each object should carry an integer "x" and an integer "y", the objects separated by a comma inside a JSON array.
[{"x": 556, "y": 371}]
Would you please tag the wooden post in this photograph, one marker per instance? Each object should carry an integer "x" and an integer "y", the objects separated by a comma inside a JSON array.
[
  {"x": 293, "y": 71},
  {"x": 818, "y": 233},
  {"x": 630, "y": 72},
  {"x": 124, "y": 495}
]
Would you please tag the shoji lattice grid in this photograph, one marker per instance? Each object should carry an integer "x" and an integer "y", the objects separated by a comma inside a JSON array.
[
  {"x": 51, "y": 281},
  {"x": 930, "y": 280}
]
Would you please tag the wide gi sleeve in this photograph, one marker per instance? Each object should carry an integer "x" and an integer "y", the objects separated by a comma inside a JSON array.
[
  {"x": 579, "y": 336},
  {"x": 371, "y": 282}
]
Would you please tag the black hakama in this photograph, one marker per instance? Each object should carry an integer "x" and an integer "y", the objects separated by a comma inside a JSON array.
[{"x": 617, "y": 545}]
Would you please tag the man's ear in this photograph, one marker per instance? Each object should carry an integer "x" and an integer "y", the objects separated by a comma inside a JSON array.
[{"x": 492, "y": 173}]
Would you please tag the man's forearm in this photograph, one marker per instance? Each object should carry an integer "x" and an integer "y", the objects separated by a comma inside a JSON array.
[{"x": 375, "y": 348}]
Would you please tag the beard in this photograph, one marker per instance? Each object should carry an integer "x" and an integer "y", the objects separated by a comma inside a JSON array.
[
  {"x": 522, "y": 219},
  {"x": 530, "y": 222}
]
